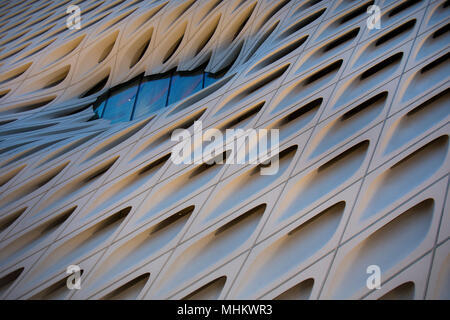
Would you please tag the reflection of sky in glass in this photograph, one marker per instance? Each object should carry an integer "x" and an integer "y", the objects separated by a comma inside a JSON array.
[
  {"x": 140, "y": 98},
  {"x": 120, "y": 103},
  {"x": 210, "y": 79},
  {"x": 99, "y": 109},
  {"x": 184, "y": 85},
  {"x": 152, "y": 96}
]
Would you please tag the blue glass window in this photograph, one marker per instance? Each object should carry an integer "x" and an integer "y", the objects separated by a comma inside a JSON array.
[
  {"x": 146, "y": 95},
  {"x": 185, "y": 84},
  {"x": 152, "y": 95},
  {"x": 210, "y": 78},
  {"x": 119, "y": 105},
  {"x": 99, "y": 109}
]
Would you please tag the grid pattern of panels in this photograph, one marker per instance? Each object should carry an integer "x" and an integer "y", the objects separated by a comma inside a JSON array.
[
  {"x": 143, "y": 96},
  {"x": 364, "y": 151}
]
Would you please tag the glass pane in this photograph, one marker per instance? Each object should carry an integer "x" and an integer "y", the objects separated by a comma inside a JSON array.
[
  {"x": 120, "y": 103},
  {"x": 152, "y": 96},
  {"x": 184, "y": 85},
  {"x": 210, "y": 78},
  {"x": 99, "y": 108}
]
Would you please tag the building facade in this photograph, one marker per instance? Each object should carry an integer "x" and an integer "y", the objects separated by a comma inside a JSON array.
[{"x": 93, "y": 205}]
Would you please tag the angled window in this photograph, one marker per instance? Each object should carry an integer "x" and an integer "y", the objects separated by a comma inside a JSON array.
[
  {"x": 185, "y": 84},
  {"x": 146, "y": 95},
  {"x": 152, "y": 96},
  {"x": 119, "y": 105}
]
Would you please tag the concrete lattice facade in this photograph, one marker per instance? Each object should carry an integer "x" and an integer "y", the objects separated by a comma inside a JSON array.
[{"x": 364, "y": 170}]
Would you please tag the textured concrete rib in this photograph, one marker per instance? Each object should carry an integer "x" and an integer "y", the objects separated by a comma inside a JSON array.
[{"x": 364, "y": 139}]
